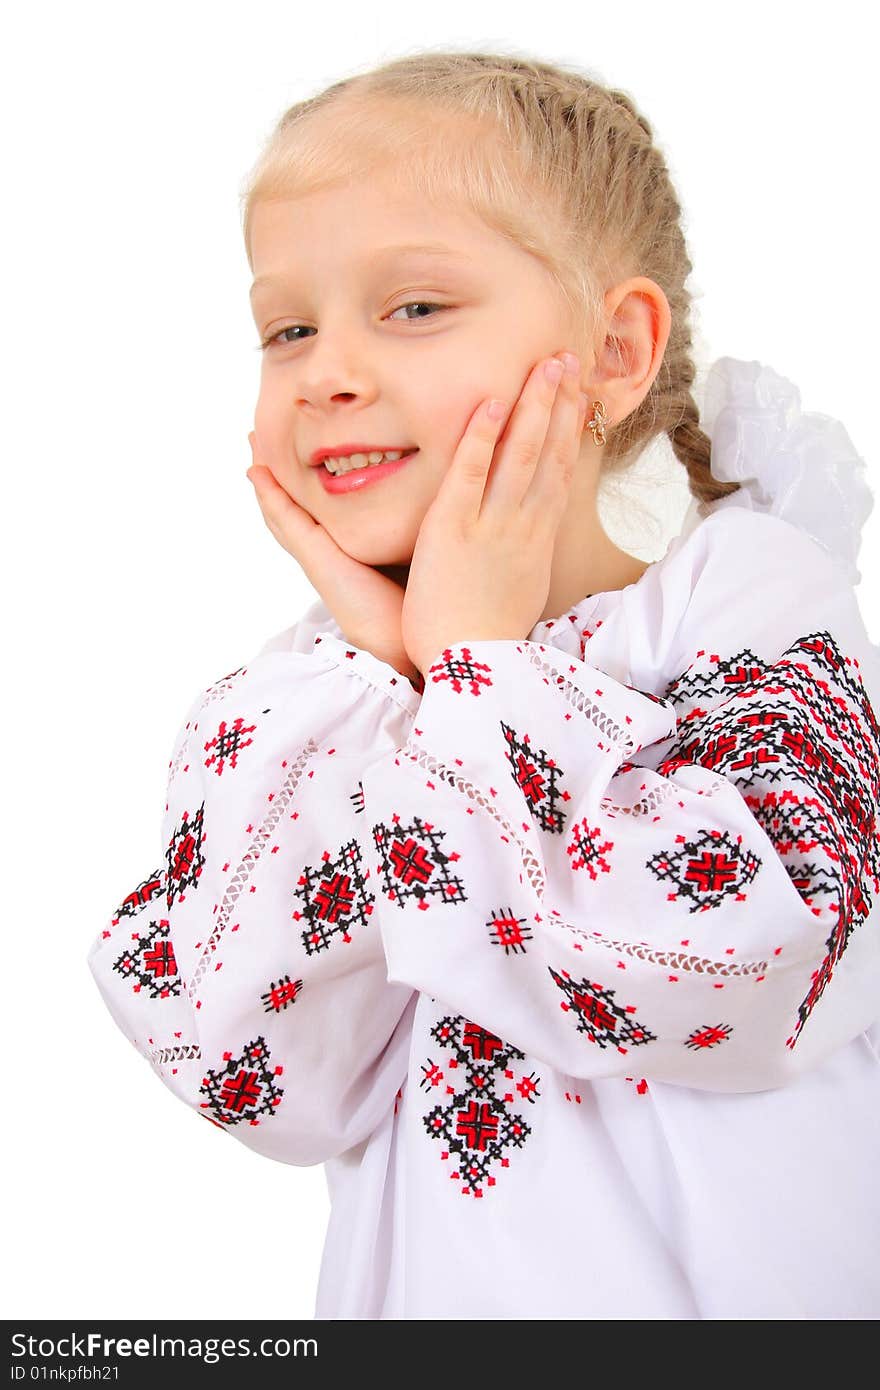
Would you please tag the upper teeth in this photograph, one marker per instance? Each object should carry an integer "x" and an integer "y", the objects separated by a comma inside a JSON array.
[{"x": 346, "y": 462}]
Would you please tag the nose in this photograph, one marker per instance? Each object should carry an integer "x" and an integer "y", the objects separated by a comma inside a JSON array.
[{"x": 336, "y": 371}]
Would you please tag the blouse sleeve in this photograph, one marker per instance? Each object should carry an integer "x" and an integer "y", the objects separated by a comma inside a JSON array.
[
  {"x": 247, "y": 966},
  {"x": 677, "y": 882}
]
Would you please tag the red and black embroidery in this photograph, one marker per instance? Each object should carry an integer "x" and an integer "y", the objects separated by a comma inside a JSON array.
[
  {"x": 278, "y": 996},
  {"x": 800, "y": 738},
  {"x": 710, "y": 1035},
  {"x": 708, "y": 870},
  {"x": 587, "y": 849},
  {"x": 537, "y": 777},
  {"x": 151, "y": 962},
  {"x": 413, "y": 865},
  {"x": 244, "y": 1087},
  {"x": 597, "y": 1015},
  {"x": 477, "y": 1125},
  {"x": 184, "y": 856},
  {"x": 135, "y": 901},
  {"x": 462, "y": 672},
  {"x": 227, "y": 743},
  {"x": 507, "y": 930},
  {"x": 335, "y": 898}
]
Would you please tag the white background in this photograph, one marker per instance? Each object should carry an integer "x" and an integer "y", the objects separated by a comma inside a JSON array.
[{"x": 138, "y": 568}]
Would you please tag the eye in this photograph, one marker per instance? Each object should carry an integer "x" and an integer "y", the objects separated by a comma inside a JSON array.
[
  {"x": 417, "y": 304},
  {"x": 279, "y": 337},
  {"x": 293, "y": 328}
]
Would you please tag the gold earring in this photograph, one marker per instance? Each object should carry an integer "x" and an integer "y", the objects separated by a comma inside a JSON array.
[{"x": 598, "y": 422}]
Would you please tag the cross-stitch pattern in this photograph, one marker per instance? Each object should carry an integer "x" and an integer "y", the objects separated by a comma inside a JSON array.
[
  {"x": 464, "y": 674},
  {"x": 184, "y": 856},
  {"x": 477, "y": 1127},
  {"x": 508, "y": 930},
  {"x": 413, "y": 864},
  {"x": 226, "y": 745},
  {"x": 706, "y": 870},
  {"x": 538, "y": 778},
  {"x": 710, "y": 1035},
  {"x": 244, "y": 1087},
  {"x": 335, "y": 898},
  {"x": 153, "y": 886},
  {"x": 151, "y": 962},
  {"x": 280, "y": 994},
  {"x": 588, "y": 849},
  {"x": 596, "y": 1014},
  {"x": 805, "y": 721}
]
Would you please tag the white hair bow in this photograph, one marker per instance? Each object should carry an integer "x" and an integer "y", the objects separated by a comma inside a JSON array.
[{"x": 798, "y": 466}]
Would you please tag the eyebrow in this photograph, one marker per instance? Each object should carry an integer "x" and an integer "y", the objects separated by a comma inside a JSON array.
[{"x": 387, "y": 253}]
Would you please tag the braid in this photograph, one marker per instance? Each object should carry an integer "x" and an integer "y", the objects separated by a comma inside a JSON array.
[{"x": 692, "y": 447}]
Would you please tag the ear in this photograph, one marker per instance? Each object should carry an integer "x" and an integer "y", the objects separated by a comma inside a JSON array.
[{"x": 637, "y": 326}]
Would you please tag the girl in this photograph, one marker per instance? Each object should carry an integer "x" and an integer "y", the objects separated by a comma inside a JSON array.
[{"x": 529, "y": 887}]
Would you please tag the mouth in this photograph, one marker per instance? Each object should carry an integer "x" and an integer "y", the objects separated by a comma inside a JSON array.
[
  {"x": 354, "y": 479},
  {"x": 359, "y": 453}
]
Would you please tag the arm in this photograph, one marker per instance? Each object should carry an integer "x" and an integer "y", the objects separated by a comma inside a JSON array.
[
  {"x": 680, "y": 883},
  {"x": 247, "y": 966}
]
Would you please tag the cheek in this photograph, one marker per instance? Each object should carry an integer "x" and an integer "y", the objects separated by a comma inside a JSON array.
[
  {"x": 447, "y": 421},
  {"x": 264, "y": 412},
  {"x": 504, "y": 371},
  {"x": 273, "y": 433}
]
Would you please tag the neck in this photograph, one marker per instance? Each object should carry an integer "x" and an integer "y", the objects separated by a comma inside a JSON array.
[
  {"x": 585, "y": 558},
  {"x": 602, "y": 571}
]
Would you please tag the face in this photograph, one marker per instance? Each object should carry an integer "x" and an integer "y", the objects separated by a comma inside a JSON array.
[{"x": 386, "y": 347}]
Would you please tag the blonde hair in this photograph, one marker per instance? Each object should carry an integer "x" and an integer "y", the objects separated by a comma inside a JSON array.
[{"x": 601, "y": 205}]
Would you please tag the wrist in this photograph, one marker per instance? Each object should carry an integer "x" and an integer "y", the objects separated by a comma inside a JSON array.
[{"x": 400, "y": 661}]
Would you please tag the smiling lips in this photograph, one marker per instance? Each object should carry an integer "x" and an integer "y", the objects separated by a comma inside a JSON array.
[
  {"x": 348, "y": 450},
  {"x": 353, "y": 479}
]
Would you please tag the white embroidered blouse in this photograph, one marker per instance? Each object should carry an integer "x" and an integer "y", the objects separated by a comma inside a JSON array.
[{"x": 567, "y": 965}]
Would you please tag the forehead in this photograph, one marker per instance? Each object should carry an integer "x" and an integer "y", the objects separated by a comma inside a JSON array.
[{"x": 363, "y": 224}]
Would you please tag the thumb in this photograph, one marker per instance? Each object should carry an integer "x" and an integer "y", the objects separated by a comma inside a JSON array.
[{"x": 295, "y": 529}]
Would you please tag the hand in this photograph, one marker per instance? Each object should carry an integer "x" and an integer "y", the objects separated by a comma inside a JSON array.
[
  {"x": 481, "y": 565},
  {"x": 366, "y": 605}
]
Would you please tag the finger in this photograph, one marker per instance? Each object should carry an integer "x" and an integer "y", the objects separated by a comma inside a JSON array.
[
  {"x": 291, "y": 525},
  {"x": 562, "y": 443},
  {"x": 276, "y": 504},
  {"x": 461, "y": 491},
  {"x": 519, "y": 449},
  {"x": 327, "y": 567}
]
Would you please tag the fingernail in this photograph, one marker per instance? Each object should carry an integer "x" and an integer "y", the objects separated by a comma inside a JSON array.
[
  {"x": 572, "y": 363},
  {"x": 553, "y": 369}
]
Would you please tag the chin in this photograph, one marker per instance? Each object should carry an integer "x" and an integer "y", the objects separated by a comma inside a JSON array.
[{"x": 381, "y": 551}]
